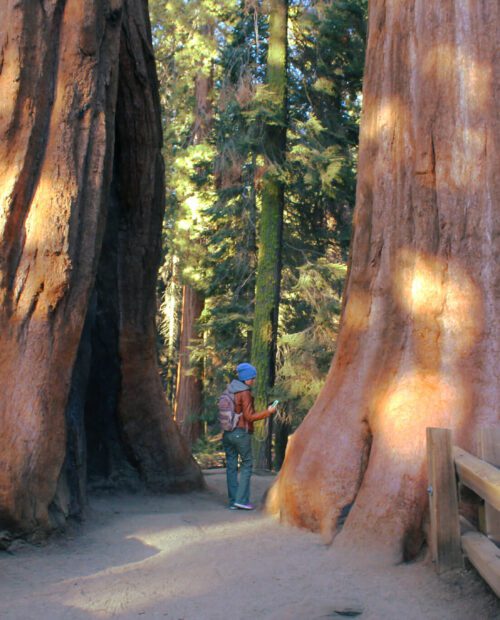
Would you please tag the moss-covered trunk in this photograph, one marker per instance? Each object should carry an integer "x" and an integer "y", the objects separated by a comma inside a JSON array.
[{"x": 267, "y": 288}]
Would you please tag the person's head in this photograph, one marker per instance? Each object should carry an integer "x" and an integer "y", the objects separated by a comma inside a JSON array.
[{"x": 246, "y": 373}]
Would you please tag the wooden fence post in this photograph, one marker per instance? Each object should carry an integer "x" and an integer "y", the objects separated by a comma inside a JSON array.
[
  {"x": 489, "y": 451},
  {"x": 443, "y": 501}
]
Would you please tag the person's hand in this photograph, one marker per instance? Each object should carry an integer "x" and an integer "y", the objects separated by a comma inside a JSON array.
[{"x": 271, "y": 409}]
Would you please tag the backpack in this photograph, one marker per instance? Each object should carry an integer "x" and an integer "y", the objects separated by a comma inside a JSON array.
[{"x": 228, "y": 418}]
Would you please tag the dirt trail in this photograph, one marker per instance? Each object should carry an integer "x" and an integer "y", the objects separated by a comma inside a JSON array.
[{"x": 187, "y": 557}]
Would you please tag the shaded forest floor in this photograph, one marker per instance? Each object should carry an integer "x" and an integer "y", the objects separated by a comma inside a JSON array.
[{"x": 188, "y": 557}]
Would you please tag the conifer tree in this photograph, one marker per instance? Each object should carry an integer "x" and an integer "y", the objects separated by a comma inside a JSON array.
[
  {"x": 267, "y": 290},
  {"x": 189, "y": 391},
  {"x": 223, "y": 175}
]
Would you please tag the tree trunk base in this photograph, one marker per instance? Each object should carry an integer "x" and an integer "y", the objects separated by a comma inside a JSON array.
[{"x": 82, "y": 190}]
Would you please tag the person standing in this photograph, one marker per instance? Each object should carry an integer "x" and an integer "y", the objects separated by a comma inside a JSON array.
[{"x": 237, "y": 443}]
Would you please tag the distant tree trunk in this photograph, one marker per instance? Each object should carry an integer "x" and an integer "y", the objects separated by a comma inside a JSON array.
[
  {"x": 420, "y": 329},
  {"x": 80, "y": 138},
  {"x": 189, "y": 392},
  {"x": 267, "y": 288},
  {"x": 204, "y": 113},
  {"x": 171, "y": 311}
]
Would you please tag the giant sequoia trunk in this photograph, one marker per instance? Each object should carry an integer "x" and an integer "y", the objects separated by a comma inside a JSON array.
[
  {"x": 420, "y": 329},
  {"x": 80, "y": 140}
]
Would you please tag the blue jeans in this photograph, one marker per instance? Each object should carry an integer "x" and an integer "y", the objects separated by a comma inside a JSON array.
[{"x": 236, "y": 443}]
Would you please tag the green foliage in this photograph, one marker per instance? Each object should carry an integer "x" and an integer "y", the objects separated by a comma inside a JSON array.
[
  {"x": 214, "y": 186},
  {"x": 185, "y": 40},
  {"x": 326, "y": 58},
  {"x": 208, "y": 452},
  {"x": 231, "y": 219},
  {"x": 310, "y": 313}
]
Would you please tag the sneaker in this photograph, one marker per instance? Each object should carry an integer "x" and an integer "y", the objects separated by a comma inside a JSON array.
[{"x": 244, "y": 506}]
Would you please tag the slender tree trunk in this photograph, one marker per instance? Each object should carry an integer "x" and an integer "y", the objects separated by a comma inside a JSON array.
[
  {"x": 204, "y": 113},
  {"x": 171, "y": 313},
  {"x": 267, "y": 293},
  {"x": 189, "y": 391},
  {"x": 420, "y": 327},
  {"x": 63, "y": 64}
]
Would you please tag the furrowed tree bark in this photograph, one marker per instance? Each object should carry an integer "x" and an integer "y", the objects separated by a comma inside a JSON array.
[
  {"x": 148, "y": 428},
  {"x": 62, "y": 65},
  {"x": 420, "y": 329},
  {"x": 268, "y": 280}
]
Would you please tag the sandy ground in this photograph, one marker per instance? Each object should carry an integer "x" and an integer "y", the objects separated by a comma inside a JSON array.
[{"x": 188, "y": 558}]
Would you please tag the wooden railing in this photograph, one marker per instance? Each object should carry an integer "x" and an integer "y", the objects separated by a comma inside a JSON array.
[{"x": 451, "y": 535}]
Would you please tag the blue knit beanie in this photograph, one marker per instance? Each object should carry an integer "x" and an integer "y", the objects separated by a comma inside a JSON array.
[{"x": 246, "y": 371}]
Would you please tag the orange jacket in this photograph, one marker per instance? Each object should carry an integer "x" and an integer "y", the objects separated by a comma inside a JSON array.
[{"x": 243, "y": 403}]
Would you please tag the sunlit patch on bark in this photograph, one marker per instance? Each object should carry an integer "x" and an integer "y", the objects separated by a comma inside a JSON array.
[
  {"x": 357, "y": 311},
  {"x": 434, "y": 289},
  {"x": 408, "y": 405},
  {"x": 475, "y": 78},
  {"x": 380, "y": 119}
]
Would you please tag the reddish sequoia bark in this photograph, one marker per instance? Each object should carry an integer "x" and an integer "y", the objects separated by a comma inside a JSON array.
[
  {"x": 59, "y": 79},
  {"x": 189, "y": 389},
  {"x": 420, "y": 328},
  {"x": 188, "y": 394},
  {"x": 149, "y": 430}
]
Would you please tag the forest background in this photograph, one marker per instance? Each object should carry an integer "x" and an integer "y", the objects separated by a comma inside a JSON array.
[{"x": 219, "y": 110}]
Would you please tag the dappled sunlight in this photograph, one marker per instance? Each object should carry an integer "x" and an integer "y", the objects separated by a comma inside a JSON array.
[
  {"x": 468, "y": 148},
  {"x": 8, "y": 179},
  {"x": 10, "y": 72},
  {"x": 276, "y": 58},
  {"x": 169, "y": 540},
  {"x": 440, "y": 293},
  {"x": 116, "y": 593},
  {"x": 265, "y": 332},
  {"x": 473, "y": 140},
  {"x": 44, "y": 268},
  {"x": 419, "y": 283},
  {"x": 381, "y": 117},
  {"x": 445, "y": 307},
  {"x": 443, "y": 62},
  {"x": 408, "y": 405},
  {"x": 153, "y": 579},
  {"x": 357, "y": 310},
  {"x": 41, "y": 210},
  {"x": 194, "y": 206},
  {"x": 469, "y": 81}
]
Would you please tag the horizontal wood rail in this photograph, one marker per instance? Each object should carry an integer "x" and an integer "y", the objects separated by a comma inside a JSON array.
[
  {"x": 481, "y": 477},
  {"x": 448, "y": 464},
  {"x": 485, "y": 556}
]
